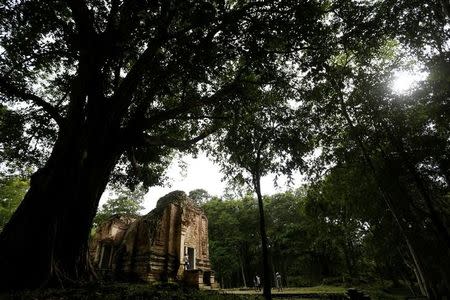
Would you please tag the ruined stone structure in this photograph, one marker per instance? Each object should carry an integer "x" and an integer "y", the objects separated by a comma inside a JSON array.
[{"x": 168, "y": 244}]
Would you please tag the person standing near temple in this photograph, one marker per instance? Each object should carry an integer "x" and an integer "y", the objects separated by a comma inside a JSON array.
[
  {"x": 257, "y": 283},
  {"x": 186, "y": 262},
  {"x": 278, "y": 281}
]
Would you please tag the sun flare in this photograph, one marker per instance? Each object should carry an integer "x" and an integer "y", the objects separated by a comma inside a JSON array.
[{"x": 404, "y": 81}]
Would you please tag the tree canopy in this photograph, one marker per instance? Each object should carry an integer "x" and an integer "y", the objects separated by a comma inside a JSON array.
[
  {"x": 199, "y": 196},
  {"x": 169, "y": 72},
  {"x": 125, "y": 202}
]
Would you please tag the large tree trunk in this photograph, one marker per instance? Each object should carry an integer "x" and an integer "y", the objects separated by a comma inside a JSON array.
[{"x": 45, "y": 242}]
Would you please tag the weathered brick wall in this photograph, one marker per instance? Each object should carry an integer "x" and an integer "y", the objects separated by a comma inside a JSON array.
[
  {"x": 196, "y": 228},
  {"x": 111, "y": 232},
  {"x": 152, "y": 247}
]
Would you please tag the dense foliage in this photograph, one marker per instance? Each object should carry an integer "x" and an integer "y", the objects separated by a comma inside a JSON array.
[
  {"x": 328, "y": 233},
  {"x": 125, "y": 202},
  {"x": 199, "y": 196},
  {"x": 12, "y": 190}
]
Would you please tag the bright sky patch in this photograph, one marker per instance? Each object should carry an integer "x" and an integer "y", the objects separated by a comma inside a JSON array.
[{"x": 406, "y": 80}]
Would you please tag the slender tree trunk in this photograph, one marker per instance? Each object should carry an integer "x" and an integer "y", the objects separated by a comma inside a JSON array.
[
  {"x": 425, "y": 193},
  {"x": 423, "y": 280},
  {"x": 45, "y": 242},
  {"x": 348, "y": 261},
  {"x": 242, "y": 272},
  {"x": 418, "y": 271},
  {"x": 267, "y": 279},
  {"x": 408, "y": 282}
]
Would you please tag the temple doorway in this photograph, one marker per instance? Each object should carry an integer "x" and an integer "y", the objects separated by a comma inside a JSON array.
[
  {"x": 191, "y": 256},
  {"x": 105, "y": 256}
]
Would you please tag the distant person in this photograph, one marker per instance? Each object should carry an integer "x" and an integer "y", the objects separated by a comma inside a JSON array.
[
  {"x": 278, "y": 281},
  {"x": 257, "y": 283},
  {"x": 186, "y": 262}
]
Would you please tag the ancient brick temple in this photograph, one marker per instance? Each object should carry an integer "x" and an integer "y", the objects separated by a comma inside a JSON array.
[{"x": 168, "y": 244}]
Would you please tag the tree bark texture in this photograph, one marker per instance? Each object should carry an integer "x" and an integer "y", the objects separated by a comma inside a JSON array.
[{"x": 45, "y": 242}]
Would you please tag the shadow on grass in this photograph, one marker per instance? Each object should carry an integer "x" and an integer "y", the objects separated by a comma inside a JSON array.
[{"x": 127, "y": 291}]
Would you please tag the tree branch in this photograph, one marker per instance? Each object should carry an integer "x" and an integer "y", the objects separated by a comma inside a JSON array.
[
  {"x": 175, "y": 143},
  {"x": 201, "y": 117},
  {"x": 147, "y": 61},
  {"x": 113, "y": 15},
  {"x": 158, "y": 116},
  {"x": 121, "y": 21},
  {"x": 82, "y": 17},
  {"x": 9, "y": 89},
  {"x": 35, "y": 56}
]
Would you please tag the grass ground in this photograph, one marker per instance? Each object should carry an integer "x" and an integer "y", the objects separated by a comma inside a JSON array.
[
  {"x": 375, "y": 292},
  {"x": 124, "y": 291},
  {"x": 321, "y": 289}
]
